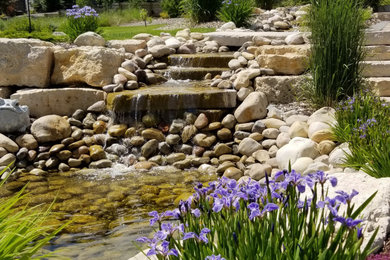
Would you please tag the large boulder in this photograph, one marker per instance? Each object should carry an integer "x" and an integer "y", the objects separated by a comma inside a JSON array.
[
  {"x": 298, "y": 147},
  {"x": 13, "y": 118},
  {"x": 8, "y": 144},
  {"x": 25, "y": 62},
  {"x": 254, "y": 107},
  {"x": 50, "y": 128},
  {"x": 130, "y": 45},
  {"x": 61, "y": 101},
  {"x": 244, "y": 77},
  {"x": 90, "y": 39},
  {"x": 248, "y": 146},
  {"x": 94, "y": 66}
]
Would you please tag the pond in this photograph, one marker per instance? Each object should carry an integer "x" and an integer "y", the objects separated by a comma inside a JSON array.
[{"x": 107, "y": 208}]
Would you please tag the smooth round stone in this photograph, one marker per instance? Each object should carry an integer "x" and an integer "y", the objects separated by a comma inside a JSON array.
[
  {"x": 214, "y": 126},
  {"x": 224, "y": 134},
  {"x": 28, "y": 141},
  {"x": 271, "y": 133},
  {"x": 117, "y": 130},
  {"x": 153, "y": 133},
  {"x": 76, "y": 145},
  {"x": 229, "y": 121},
  {"x": 63, "y": 167},
  {"x": 99, "y": 127},
  {"x": 256, "y": 136},
  {"x": 221, "y": 149},
  {"x": 72, "y": 162},
  {"x": 149, "y": 120},
  {"x": 67, "y": 141},
  {"x": 56, "y": 148},
  {"x": 198, "y": 151},
  {"x": 229, "y": 157},
  {"x": 130, "y": 132},
  {"x": 202, "y": 121},
  {"x": 147, "y": 165},
  {"x": 22, "y": 153},
  {"x": 64, "y": 155},
  {"x": 104, "y": 163},
  {"x": 224, "y": 166}
]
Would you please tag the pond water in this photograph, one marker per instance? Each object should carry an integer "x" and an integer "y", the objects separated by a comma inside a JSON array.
[{"x": 108, "y": 208}]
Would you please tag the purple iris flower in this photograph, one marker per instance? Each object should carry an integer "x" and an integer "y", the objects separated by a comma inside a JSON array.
[
  {"x": 344, "y": 197},
  {"x": 348, "y": 222},
  {"x": 202, "y": 237},
  {"x": 359, "y": 232},
  {"x": 196, "y": 212},
  {"x": 214, "y": 257}
]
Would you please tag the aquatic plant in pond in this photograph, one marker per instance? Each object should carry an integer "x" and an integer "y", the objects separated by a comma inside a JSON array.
[
  {"x": 239, "y": 220},
  {"x": 364, "y": 122},
  {"x": 80, "y": 20}
]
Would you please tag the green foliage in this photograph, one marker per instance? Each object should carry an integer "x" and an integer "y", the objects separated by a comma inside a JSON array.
[
  {"x": 117, "y": 17},
  {"x": 172, "y": 7},
  {"x": 201, "y": 10},
  {"x": 293, "y": 2},
  {"x": 265, "y": 4},
  {"x": 372, "y": 3},
  {"x": 23, "y": 232},
  {"x": 42, "y": 28},
  {"x": 363, "y": 121},
  {"x": 237, "y": 11},
  {"x": 337, "y": 29},
  {"x": 48, "y": 5},
  {"x": 126, "y": 32},
  {"x": 145, "y": 16}
]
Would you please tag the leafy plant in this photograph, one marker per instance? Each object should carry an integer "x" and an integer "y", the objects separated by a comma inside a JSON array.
[
  {"x": 237, "y": 11},
  {"x": 80, "y": 20},
  {"x": 337, "y": 31},
  {"x": 201, "y": 10},
  {"x": 363, "y": 121},
  {"x": 22, "y": 232},
  {"x": 245, "y": 220},
  {"x": 172, "y": 7},
  {"x": 48, "y": 5},
  {"x": 145, "y": 16}
]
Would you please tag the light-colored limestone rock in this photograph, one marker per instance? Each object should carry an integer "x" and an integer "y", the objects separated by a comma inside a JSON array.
[
  {"x": 13, "y": 117},
  {"x": 273, "y": 123},
  {"x": 254, "y": 107},
  {"x": 278, "y": 89},
  {"x": 298, "y": 129},
  {"x": 8, "y": 144},
  {"x": 94, "y": 66},
  {"x": 130, "y": 45},
  {"x": 248, "y": 146},
  {"x": 326, "y": 146},
  {"x": 244, "y": 77},
  {"x": 295, "y": 39},
  {"x": 337, "y": 157},
  {"x": 257, "y": 171},
  {"x": 90, "y": 39},
  {"x": 322, "y": 135},
  {"x": 59, "y": 101},
  {"x": 25, "y": 62},
  {"x": 298, "y": 147},
  {"x": 301, "y": 164},
  {"x": 288, "y": 64}
]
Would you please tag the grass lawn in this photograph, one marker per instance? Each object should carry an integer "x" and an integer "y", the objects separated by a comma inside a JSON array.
[{"x": 122, "y": 32}]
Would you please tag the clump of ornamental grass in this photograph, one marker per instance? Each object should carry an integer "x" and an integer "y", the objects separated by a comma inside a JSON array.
[
  {"x": 200, "y": 10},
  {"x": 237, "y": 11},
  {"x": 23, "y": 232},
  {"x": 80, "y": 20},
  {"x": 363, "y": 121},
  {"x": 246, "y": 220},
  {"x": 337, "y": 36}
]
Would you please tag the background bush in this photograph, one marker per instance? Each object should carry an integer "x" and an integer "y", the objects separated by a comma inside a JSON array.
[
  {"x": 266, "y": 4},
  {"x": 49, "y": 5},
  {"x": 201, "y": 10},
  {"x": 172, "y": 7},
  {"x": 337, "y": 28},
  {"x": 237, "y": 11}
]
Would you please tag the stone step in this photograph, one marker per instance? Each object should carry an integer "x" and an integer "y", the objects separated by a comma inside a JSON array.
[
  {"x": 237, "y": 39},
  {"x": 206, "y": 60},
  {"x": 172, "y": 96},
  {"x": 383, "y": 16},
  {"x": 376, "y": 69},
  {"x": 386, "y": 99},
  {"x": 377, "y": 37},
  {"x": 195, "y": 73},
  {"x": 377, "y": 53},
  {"x": 380, "y": 85}
]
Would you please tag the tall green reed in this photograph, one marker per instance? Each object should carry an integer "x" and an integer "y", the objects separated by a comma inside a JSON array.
[
  {"x": 337, "y": 28},
  {"x": 201, "y": 10}
]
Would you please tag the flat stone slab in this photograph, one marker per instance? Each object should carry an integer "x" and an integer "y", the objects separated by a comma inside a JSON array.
[
  {"x": 376, "y": 69},
  {"x": 380, "y": 85},
  {"x": 171, "y": 96},
  {"x": 239, "y": 38},
  {"x": 59, "y": 101},
  {"x": 192, "y": 73},
  {"x": 378, "y": 37},
  {"x": 206, "y": 60}
]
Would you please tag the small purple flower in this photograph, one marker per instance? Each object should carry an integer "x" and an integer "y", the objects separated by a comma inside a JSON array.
[
  {"x": 196, "y": 212},
  {"x": 348, "y": 222},
  {"x": 344, "y": 197},
  {"x": 202, "y": 237},
  {"x": 214, "y": 257},
  {"x": 359, "y": 232},
  {"x": 270, "y": 207}
]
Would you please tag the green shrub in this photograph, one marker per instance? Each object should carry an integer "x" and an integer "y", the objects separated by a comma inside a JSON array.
[
  {"x": 337, "y": 29},
  {"x": 293, "y": 2},
  {"x": 363, "y": 121},
  {"x": 48, "y": 5},
  {"x": 201, "y": 10},
  {"x": 22, "y": 232},
  {"x": 265, "y": 4},
  {"x": 172, "y": 7},
  {"x": 237, "y": 11},
  {"x": 80, "y": 20}
]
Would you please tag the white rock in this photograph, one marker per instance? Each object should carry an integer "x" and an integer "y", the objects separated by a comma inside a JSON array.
[
  {"x": 13, "y": 117},
  {"x": 337, "y": 157},
  {"x": 260, "y": 41},
  {"x": 317, "y": 126},
  {"x": 325, "y": 115},
  {"x": 154, "y": 41},
  {"x": 298, "y": 129},
  {"x": 295, "y": 39},
  {"x": 244, "y": 77},
  {"x": 301, "y": 164},
  {"x": 291, "y": 119},
  {"x": 227, "y": 26},
  {"x": 316, "y": 166},
  {"x": 283, "y": 139},
  {"x": 127, "y": 74},
  {"x": 186, "y": 34},
  {"x": 159, "y": 51},
  {"x": 298, "y": 147},
  {"x": 234, "y": 64},
  {"x": 243, "y": 93},
  {"x": 8, "y": 144},
  {"x": 257, "y": 171},
  {"x": 173, "y": 43},
  {"x": 254, "y": 107},
  {"x": 130, "y": 45},
  {"x": 90, "y": 39},
  {"x": 50, "y": 128}
]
